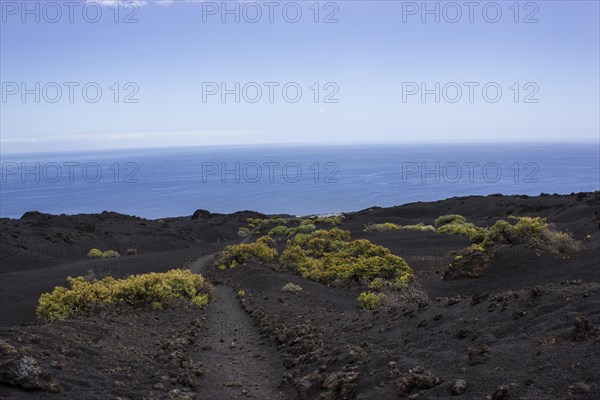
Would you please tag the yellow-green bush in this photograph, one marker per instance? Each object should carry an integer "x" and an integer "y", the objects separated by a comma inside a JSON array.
[
  {"x": 266, "y": 240},
  {"x": 449, "y": 219},
  {"x": 334, "y": 234},
  {"x": 328, "y": 256},
  {"x": 305, "y": 227},
  {"x": 292, "y": 288},
  {"x": 242, "y": 253},
  {"x": 466, "y": 229},
  {"x": 156, "y": 289},
  {"x": 279, "y": 230},
  {"x": 377, "y": 284},
  {"x": 419, "y": 227},
  {"x": 110, "y": 254},
  {"x": 386, "y": 226},
  {"x": 266, "y": 223},
  {"x": 200, "y": 300},
  {"x": 94, "y": 253},
  {"x": 332, "y": 220},
  {"x": 241, "y": 293},
  {"x": 475, "y": 247},
  {"x": 531, "y": 232},
  {"x": 370, "y": 300}
]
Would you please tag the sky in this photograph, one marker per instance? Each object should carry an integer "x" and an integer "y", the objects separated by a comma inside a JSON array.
[{"x": 80, "y": 75}]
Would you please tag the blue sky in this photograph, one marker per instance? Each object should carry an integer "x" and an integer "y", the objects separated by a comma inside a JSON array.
[{"x": 369, "y": 61}]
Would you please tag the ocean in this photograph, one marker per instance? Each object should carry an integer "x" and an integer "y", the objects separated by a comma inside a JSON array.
[{"x": 297, "y": 180}]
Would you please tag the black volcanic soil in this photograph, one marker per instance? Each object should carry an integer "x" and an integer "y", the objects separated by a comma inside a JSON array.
[{"x": 527, "y": 329}]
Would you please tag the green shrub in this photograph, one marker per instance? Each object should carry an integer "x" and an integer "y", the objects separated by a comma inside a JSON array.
[
  {"x": 242, "y": 253},
  {"x": 449, "y": 219},
  {"x": 531, "y": 232},
  {"x": 279, "y": 230},
  {"x": 475, "y": 247},
  {"x": 402, "y": 282},
  {"x": 370, "y": 300},
  {"x": 110, "y": 254},
  {"x": 327, "y": 256},
  {"x": 561, "y": 243},
  {"x": 271, "y": 222},
  {"x": 292, "y": 288},
  {"x": 200, "y": 300},
  {"x": 152, "y": 289},
  {"x": 243, "y": 232},
  {"x": 334, "y": 234},
  {"x": 252, "y": 222},
  {"x": 466, "y": 229},
  {"x": 94, "y": 253},
  {"x": 241, "y": 293},
  {"x": 292, "y": 255},
  {"x": 419, "y": 227},
  {"x": 305, "y": 228},
  {"x": 377, "y": 284},
  {"x": 386, "y": 226},
  {"x": 266, "y": 240},
  {"x": 332, "y": 220}
]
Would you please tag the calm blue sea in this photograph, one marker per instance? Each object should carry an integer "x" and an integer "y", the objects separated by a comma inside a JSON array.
[{"x": 155, "y": 183}]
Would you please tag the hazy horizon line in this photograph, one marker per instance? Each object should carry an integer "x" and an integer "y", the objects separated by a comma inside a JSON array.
[{"x": 306, "y": 144}]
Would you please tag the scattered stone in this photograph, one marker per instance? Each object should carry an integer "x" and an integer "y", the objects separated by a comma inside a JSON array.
[
  {"x": 459, "y": 387},
  {"x": 23, "y": 371},
  {"x": 502, "y": 392},
  {"x": 479, "y": 355},
  {"x": 536, "y": 291},
  {"x": 518, "y": 314},
  {"x": 580, "y": 388},
  {"x": 417, "y": 377},
  {"x": 583, "y": 329},
  {"x": 548, "y": 341}
]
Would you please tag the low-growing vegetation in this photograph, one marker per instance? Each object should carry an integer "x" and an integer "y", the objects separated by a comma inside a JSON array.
[
  {"x": 329, "y": 256},
  {"x": 533, "y": 232},
  {"x": 262, "y": 225},
  {"x": 94, "y": 253},
  {"x": 389, "y": 226},
  {"x": 153, "y": 289},
  {"x": 97, "y": 253},
  {"x": 279, "y": 230},
  {"x": 266, "y": 240},
  {"x": 332, "y": 220},
  {"x": 370, "y": 300},
  {"x": 386, "y": 226},
  {"x": 419, "y": 227},
  {"x": 245, "y": 252},
  {"x": 110, "y": 254},
  {"x": 449, "y": 219},
  {"x": 292, "y": 288},
  {"x": 474, "y": 233}
]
